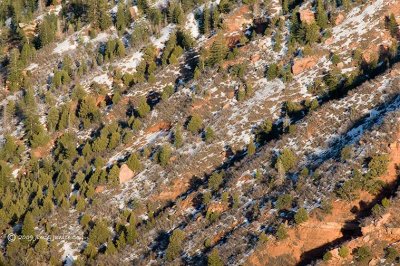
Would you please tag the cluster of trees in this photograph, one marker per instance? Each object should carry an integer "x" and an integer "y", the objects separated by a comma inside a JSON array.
[{"x": 368, "y": 182}]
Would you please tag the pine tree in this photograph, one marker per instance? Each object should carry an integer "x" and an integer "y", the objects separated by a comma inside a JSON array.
[
  {"x": 393, "y": 26},
  {"x": 164, "y": 155},
  {"x": 209, "y": 135},
  {"x": 143, "y": 108},
  {"x": 175, "y": 244},
  {"x": 52, "y": 119},
  {"x": 218, "y": 51},
  {"x": 214, "y": 259},
  {"x": 110, "y": 248},
  {"x": 121, "y": 20},
  {"x": 195, "y": 123},
  {"x": 301, "y": 216},
  {"x": 28, "y": 226},
  {"x": 178, "y": 138},
  {"x": 251, "y": 148},
  {"x": 104, "y": 18},
  {"x": 322, "y": 17},
  {"x": 134, "y": 163},
  {"x": 206, "y": 21}
]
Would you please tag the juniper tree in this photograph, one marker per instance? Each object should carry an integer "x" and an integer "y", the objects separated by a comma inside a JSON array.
[
  {"x": 195, "y": 123},
  {"x": 175, "y": 244}
]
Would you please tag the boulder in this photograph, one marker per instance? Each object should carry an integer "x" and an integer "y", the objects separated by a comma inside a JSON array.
[
  {"x": 339, "y": 19},
  {"x": 307, "y": 16},
  {"x": 125, "y": 174},
  {"x": 100, "y": 189},
  {"x": 302, "y": 64}
]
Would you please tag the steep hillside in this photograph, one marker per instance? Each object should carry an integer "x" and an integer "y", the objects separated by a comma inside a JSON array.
[{"x": 224, "y": 132}]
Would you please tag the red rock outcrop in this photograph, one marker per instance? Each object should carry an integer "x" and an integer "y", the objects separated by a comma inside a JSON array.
[
  {"x": 125, "y": 174},
  {"x": 302, "y": 64}
]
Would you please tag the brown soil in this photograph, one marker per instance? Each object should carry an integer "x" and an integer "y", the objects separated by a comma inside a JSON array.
[{"x": 315, "y": 233}]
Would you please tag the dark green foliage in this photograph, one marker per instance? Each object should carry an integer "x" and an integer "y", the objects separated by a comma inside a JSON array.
[
  {"x": 363, "y": 254},
  {"x": 301, "y": 216},
  {"x": 344, "y": 251},
  {"x": 47, "y": 30},
  {"x": 391, "y": 254},
  {"x": 143, "y": 108},
  {"x": 218, "y": 52},
  {"x": 140, "y": 34},
  {"x": 284, "y": 202},
  {"x": 392, "y": 26},
  {"x": 214, "y": 258},
  {"x": 321, "y": 16},
  {"x": 195, "y": 123},
  {"x": 215, "y": 180},
  {"x": 167, "y": 92},
  {"x": 272, "y": 71},
  {"x": 281, "y": 232},
  {"x": 327, "y": 256},
  {"x": 378, "y": 165},
  {"x": 288, "y": 159},
  {"x": 99, "y": 234},
  {"x": 178, "y": 138},
  {"x": 88, "y": 111},
  {"x": 175, "y": 244},
  {"x": 209, "y": 135},
  {"x": 164, "y": 155},
  {"x": 134, "y": 163},
  {"x": 28, "y": 226}
]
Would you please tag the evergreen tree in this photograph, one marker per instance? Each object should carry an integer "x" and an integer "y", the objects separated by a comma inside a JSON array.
[
  {"x": 164, "y": 155},
  {"x": 178, "y": 138},
  {"x": 322, "y": 17},
  {"x": 209, "y": 135},
  {"x": 206, "y": 21},
  {"x": 134, "y": 163},
  {"x": 251, "y": 147},
  {"x": 143, "y": 108},
  {"x": 214, "y": 259},
  {"x": 301, "y": 216},
  {"x": 195, "y": 123},
  {"x": 28, "y": 226},
  {"x": 218, "y": 52},
  {"x": 121, "y": 20},
  {"x": 175, "y": 244}
]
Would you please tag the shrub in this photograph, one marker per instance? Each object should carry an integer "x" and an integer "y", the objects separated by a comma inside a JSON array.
[
  {"x": 346, "y": 153},
  {"x": 215, "y": 181},
  {"x": 301, "y": 216},
  {"x": 327, "y": 256},
  {"x": 363, "y": 254},
  {"x": 344, "y": 251},
  {"x": 281, "y": 232},
  {"x": 378, "y": 165},
  {"x": 284, "y": 202},
  {"x": 195, "y": 124},
  {"x": 175, "y": 244},
  {"x": 214, "y": 259},
  {"x": 288, "y": 159},
  {"x": 164, "y": 155}
]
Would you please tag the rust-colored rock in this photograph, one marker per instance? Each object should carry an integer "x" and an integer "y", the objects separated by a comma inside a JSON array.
[
  {"x": 100, "y": 189},
  {"x": 125, "y": 174},
  {"x": 218, "y": 207},
  {"x": 235, "y": 21},
  {"x": 339, "y": 19},
  {"x": 302, "y": 64},
  {"x": 307, "y": 16},
  {"x": 255, "y": 58}
]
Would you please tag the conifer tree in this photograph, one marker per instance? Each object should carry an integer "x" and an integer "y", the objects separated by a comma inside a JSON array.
[
  {"x": 322, "y": 17},
  {"x": 121, "y": 20}
]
